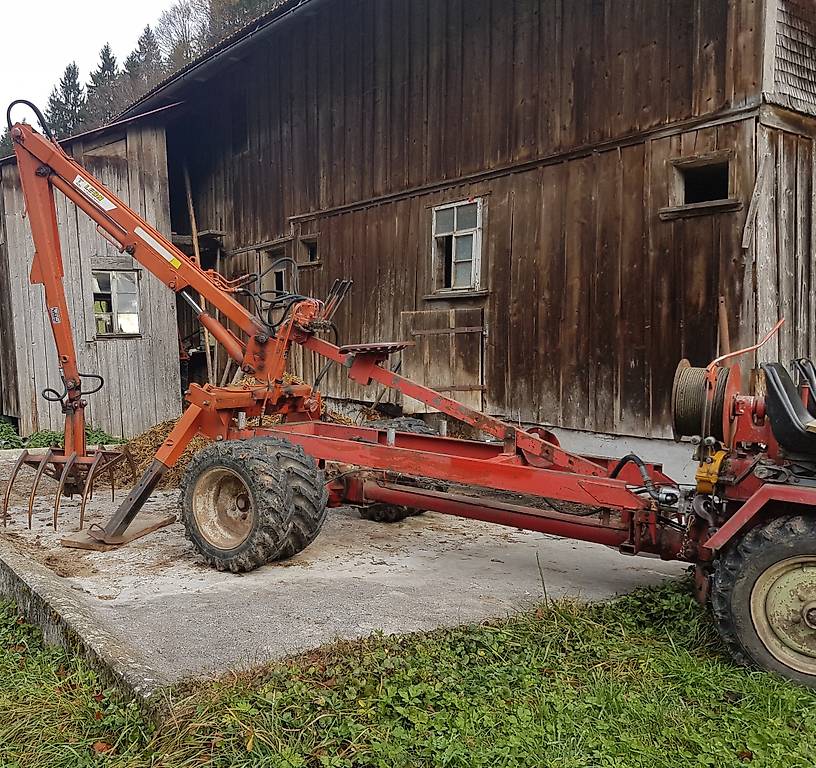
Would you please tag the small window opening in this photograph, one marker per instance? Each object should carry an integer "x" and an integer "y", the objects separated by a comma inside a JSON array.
[
  {"x": 310, "y": 251},
  {"x": 705, "y": 183},
  {"x": 275, "y": 269},
  {"x": 280, "y": 280},
  {"x": 457, "y": 245},
  {"x": 116, "y": 302}
]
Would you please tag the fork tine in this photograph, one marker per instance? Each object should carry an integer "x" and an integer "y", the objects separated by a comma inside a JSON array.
[
  {"x": 88, "y": 488},
  {"x": 131, "y": 463},
  {"x": 66, "y": 471},
  {"x": 40, "y": 469},
  {"x": 113, "y": 480},
  {"x": 20, "y": 461}
]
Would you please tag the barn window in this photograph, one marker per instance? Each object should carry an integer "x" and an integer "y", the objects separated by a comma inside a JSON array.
[
  {"x": 701, "y": 185},
  {"x": 116, "y": 302},
  {"x": 457, "y": 243},
  {"x": 704, "y": 183},
  {"x": 309, "y": 250}
]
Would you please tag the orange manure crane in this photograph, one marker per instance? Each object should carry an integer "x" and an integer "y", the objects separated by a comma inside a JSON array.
[{"x": 259, "y": 494}]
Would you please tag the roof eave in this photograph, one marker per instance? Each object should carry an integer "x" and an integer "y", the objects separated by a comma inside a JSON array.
[{"x": 212, "y": 59}]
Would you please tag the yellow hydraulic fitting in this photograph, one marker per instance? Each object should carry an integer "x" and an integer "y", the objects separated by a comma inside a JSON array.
[{"x": 708, "y": 473}]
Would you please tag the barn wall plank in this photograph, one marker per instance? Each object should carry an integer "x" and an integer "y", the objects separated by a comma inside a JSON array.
[
  {"x": 591, "y": 296},
  {"x": 142, "y": 374}
]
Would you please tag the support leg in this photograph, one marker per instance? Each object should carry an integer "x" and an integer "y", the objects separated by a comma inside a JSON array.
[{"x": 166, "y": 457}]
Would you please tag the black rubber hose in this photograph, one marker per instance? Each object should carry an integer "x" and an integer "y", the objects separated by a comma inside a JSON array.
[
  {"x": 35, "y": 110},
  {"x": 633, "y": 458}
]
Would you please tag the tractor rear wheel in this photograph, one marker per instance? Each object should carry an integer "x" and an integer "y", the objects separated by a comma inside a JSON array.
[
  {"x": 764, "y": 598},
  {"x": 237, "y": 505}
]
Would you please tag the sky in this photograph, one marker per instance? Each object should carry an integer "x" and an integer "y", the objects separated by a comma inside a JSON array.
[{"x": 41, "y": 37}]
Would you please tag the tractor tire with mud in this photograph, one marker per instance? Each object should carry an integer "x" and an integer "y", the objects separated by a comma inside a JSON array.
[
  {"x": 763, "y": 595},
  {"x": 309, "y": 492},
  {"x": 246, "y": 503},
  {"x": 392, "y": 513}
]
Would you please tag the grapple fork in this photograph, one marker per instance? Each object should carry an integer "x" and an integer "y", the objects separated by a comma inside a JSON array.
[{"x": 74, "y": 473}]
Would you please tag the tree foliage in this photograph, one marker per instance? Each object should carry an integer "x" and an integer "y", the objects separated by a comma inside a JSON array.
[
  {"x": 6, "y": 147},
  {"x": 183, "y": 31},
  {"x": 144, "y": 67},
  {"x": 104, "y": 94},
  {"x": 228, "y": 16},
  {"x": 66, "y": 111}
]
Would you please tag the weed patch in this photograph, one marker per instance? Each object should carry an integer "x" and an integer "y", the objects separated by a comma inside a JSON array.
[{"x": 641, "y": 681}]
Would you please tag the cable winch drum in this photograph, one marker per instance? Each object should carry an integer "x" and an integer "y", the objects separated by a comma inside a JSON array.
[{"x": 689, "y": 400}]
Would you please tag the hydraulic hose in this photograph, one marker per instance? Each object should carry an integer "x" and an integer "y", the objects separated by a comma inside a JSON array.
[
  {"x": 35, "y": 110},
  {"x": 648, "y": 483}
]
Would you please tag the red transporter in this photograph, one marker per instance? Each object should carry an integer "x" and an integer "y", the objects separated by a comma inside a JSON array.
[{"x": 259, "y": 494}]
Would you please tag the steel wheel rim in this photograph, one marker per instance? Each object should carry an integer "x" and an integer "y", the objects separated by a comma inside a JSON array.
[
  {"x": 783, "y": 611},
  {"x": 223, "y": 508}
]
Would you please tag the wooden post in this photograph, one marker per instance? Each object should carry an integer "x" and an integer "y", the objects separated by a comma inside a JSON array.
[
  {"x": 197, "y": 257},
  {"x": 725, "y": 336}
]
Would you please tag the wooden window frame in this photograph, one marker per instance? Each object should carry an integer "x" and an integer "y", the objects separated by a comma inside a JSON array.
[
  {"x": 136, "y": 273},
  {"x": 677, "y": 207},
  {"x": 475, "y": 287},
  {"x": 304, "y": 244}
]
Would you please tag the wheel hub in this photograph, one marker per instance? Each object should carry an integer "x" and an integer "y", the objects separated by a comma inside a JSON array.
[
  {"x": 809, "y": 615},
  {"x": 222, "y": 507},
  {"x": 783, "y": 607}
]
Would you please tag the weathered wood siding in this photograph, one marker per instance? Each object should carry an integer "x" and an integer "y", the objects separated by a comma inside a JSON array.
[
  {"x": 351, "y": 123},
  {"x": 795, "y": 55},
  {"x": 593, "y": 298},
  {"x": 142, "y": 374},
  {"x": 786, "y": 238},
  {"x": 9, "y": 405},
  {"x": 369, "y": 97}
]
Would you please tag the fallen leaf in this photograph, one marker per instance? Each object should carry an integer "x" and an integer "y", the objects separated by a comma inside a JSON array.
[{"x": 101, "y": 747}]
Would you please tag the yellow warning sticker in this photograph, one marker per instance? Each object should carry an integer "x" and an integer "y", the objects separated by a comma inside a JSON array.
[{"x": 167, "y": 255}]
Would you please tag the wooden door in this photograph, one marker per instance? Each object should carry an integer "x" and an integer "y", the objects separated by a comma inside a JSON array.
[{"x": 448, "y": 356}]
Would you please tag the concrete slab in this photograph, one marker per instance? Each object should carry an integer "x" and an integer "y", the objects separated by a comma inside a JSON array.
[{"x": 160, "y": 606}]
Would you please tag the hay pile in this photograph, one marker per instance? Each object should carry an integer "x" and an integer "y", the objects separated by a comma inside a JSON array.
[{"x": 143, "y": 448}]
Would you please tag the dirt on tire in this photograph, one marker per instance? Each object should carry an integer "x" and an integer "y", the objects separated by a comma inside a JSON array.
[
  {"x": 271, "y": 502},
  {"x": 737, "y": 571}
]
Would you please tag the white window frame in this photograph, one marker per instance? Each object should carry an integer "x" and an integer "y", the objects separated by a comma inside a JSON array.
[
  {"x": 439, "y": 269},
  {"x": 114, "y": 274}
]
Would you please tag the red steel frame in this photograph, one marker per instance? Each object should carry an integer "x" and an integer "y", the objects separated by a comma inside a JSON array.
[{"x": 520, "y": 462}]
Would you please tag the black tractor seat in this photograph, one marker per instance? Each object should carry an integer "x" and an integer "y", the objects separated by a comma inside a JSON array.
[
  {"x": 791, "y": 422},
  {"x": 807, "y": 376}
]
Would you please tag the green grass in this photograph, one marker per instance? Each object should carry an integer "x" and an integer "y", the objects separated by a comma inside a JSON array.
[
  {"x": 47, "y": 438},
  {"x": 638, "y": 682}
]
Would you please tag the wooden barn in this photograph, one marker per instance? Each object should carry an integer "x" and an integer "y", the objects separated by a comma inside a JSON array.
[
  {"x": 124, "y": 319},
  {"x": 549, "y": 197}
]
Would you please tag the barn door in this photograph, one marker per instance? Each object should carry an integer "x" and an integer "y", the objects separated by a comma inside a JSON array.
[{"x": 448, "y": 356}]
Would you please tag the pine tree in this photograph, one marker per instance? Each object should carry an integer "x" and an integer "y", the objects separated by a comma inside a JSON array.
[
  {"x": 144, "y": 67},
  {"x": 65, "y": 112},
  {"x": 104, "y": 95},
  {"x": 6, "y": 146}
]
